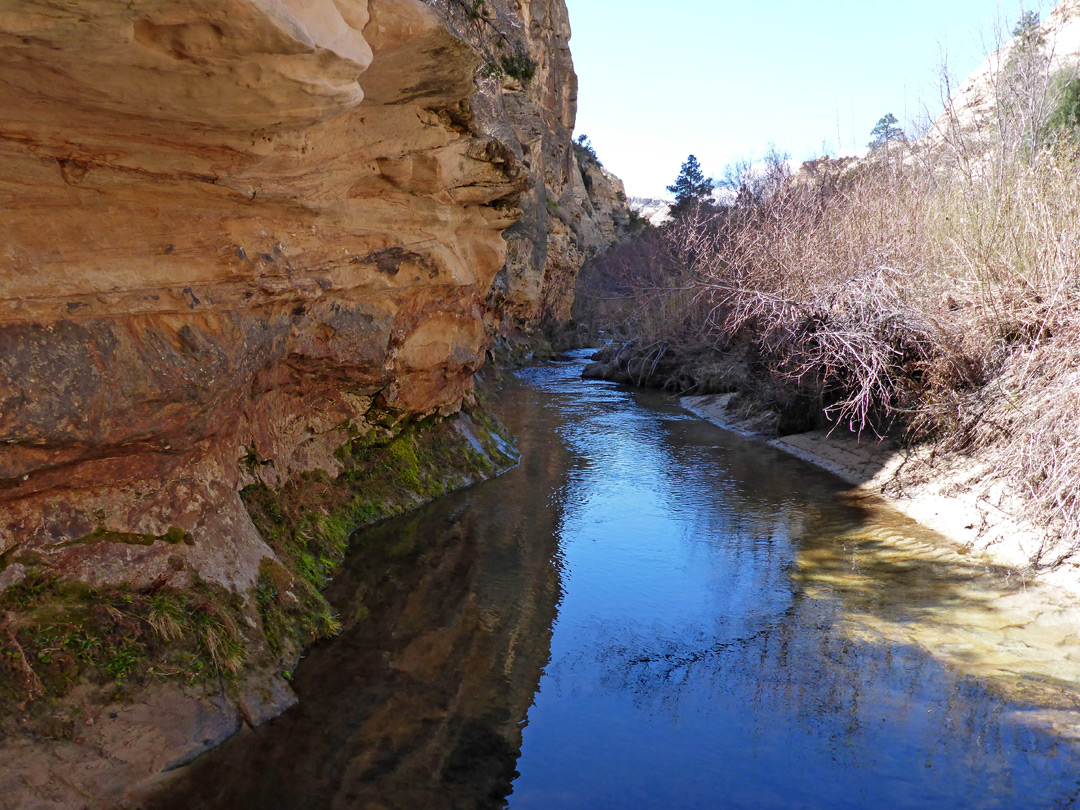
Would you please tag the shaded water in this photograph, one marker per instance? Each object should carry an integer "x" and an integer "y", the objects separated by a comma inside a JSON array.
[{"x": 650, "y": 612}]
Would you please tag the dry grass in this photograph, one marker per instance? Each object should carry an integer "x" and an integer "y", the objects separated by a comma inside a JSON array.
[
  {"x": 930, "y": 298},
  {"x": 31, "y": 683},
  {"x": 165, "y": 617},
  {"x": 1028, "y": 419},
  {"x": 938, "y": 303}
]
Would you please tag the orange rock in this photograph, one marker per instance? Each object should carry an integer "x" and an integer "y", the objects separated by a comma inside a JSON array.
[{"x": 229, "y": 228}]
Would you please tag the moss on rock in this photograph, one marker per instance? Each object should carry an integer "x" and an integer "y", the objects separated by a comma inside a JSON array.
[
  {"x": 386, "y": 471},
  {"x": 56, "y": 635}
]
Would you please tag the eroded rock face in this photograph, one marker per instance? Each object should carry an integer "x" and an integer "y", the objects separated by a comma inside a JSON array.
[
  {"x": 1022, "y": 66},
  {"x": 573, "y": 208},
  {"x": 234, "y": 232}
]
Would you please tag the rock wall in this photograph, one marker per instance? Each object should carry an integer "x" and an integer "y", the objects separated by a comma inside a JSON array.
[
  {"x": 237, "y": 233},
  {"x": 234, "y": 234},
  {"x": 572, "y": 207},
  {"x": 242, "y": 241}
]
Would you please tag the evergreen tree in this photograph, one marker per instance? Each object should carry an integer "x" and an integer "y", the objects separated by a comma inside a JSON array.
[
  {"x": 691, "y": 187},
  {"x": 887, "y": 129},
  {"x": 1027, "y": 27}
]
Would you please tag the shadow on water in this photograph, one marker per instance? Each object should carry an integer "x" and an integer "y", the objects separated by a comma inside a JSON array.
[
  {"x": 685, "y": 619},
  {"x": 419, "y": 702}
]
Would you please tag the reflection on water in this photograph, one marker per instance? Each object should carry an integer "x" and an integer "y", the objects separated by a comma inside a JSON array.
[
  {"x": 447, "y": 616},
  {"x": 652, "y": 613}
]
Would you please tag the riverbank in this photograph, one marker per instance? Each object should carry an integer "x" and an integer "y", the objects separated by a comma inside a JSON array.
[
  {"x": 953, "y": 494},
  {"x": 109, "y": 688}
]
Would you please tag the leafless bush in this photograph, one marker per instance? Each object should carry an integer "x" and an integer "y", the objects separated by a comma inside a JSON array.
[
  {"x": 1028, "y": 420},
  {"x": 752, "y": 182},
  {"x": 937, "y": 305},
  {"x": 638, "y": 288}
]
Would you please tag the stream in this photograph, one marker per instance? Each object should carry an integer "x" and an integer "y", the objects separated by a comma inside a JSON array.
[{"x": 652, "y": 612}]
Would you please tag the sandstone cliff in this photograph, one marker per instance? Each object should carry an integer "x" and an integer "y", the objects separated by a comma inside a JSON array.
[
  {"x": 246, "y": 247},
  {"x": 1008, "y": 94},
  {"x": 572, "y": 207},
  {"x": 236, "y": 234}
]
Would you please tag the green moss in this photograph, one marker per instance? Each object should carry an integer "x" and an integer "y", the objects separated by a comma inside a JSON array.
[
  {"x": 54, "y": 635},
  {"x": 293, "y": 611},
  {"x": 25, "y": 594},
  {"x": 174, "y": 535},
  {"x": 392, "y": 468},
  {"x": 8, "y": 557}
]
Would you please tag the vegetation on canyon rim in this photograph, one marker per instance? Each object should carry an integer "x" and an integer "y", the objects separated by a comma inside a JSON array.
[
  {"x": 930, "y": 292},
  {"x": 493, "y": 33}
]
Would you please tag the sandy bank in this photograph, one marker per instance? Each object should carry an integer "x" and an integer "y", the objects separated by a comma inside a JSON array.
[{"x": 952, "y": 494}]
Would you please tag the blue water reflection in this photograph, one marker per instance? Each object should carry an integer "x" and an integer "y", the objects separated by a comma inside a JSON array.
[{"x": 688, "y": 669}]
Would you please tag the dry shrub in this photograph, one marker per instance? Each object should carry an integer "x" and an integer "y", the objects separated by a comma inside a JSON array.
[
  {"x": 493, "y": 29},
  {"x": 1028, "y": 419},
  {"x": 639, "y": 289},
  {"x": 821, "y": 285},
  {"x": 931, "y": 291},
  {"x": 908, "y": 298}
]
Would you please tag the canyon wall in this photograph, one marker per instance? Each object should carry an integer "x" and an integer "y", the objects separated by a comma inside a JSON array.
[
  {"x": 1006, "y": 97},
  {"x": 237, "y": 234},
  {"x": 572, "y": 208}
]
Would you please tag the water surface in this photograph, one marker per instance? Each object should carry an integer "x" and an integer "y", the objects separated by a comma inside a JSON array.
[{"x": 650, "y": 612}]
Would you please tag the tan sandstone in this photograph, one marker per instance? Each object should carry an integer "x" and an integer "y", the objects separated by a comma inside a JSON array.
[{"x": 229, "y": 230}]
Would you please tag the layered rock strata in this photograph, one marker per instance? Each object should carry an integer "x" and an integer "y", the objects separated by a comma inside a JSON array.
[{"x": 235, "y": 234}]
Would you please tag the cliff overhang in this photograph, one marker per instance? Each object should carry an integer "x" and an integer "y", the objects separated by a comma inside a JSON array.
[{"x": 236, "y": 235}]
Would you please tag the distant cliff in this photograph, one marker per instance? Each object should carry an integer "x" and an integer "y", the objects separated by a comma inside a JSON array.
[{"x": 654, "y": 210}]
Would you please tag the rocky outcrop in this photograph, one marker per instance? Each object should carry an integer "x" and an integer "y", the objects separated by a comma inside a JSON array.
[
  {"x": 1018, "y": 74},
  {"x": 235, "y": 234},
  {"x": 573, "y": 207},
  {"x": 655, "y": 211}
]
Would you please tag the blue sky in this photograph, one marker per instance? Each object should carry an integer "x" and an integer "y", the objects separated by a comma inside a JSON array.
[{"x": 723, "y": 79}]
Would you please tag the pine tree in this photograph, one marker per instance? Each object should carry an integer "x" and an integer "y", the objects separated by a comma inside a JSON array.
[
  {"x": 886, "y": 130},
  {"x": 691, "y": 187},
  {"x": 1027, "y": 27}
]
